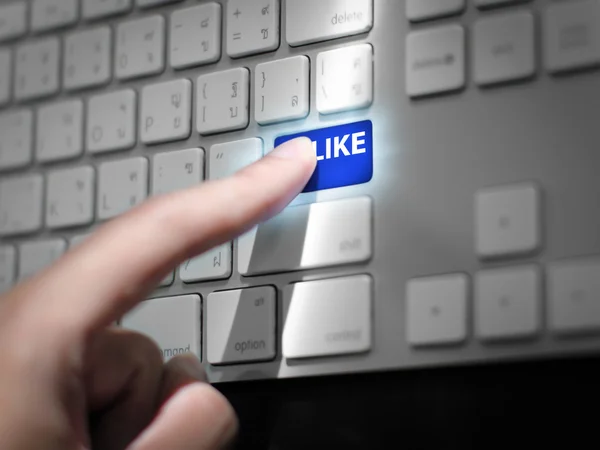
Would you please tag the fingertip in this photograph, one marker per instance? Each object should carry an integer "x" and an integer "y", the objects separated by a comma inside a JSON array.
[{"x": 300, "y": 149}]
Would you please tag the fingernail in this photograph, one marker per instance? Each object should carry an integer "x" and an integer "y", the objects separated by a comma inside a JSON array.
[{"x": 293, "y": 149}]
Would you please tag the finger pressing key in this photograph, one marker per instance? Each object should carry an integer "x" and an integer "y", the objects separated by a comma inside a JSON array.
[{"x": 122, "y": 262}]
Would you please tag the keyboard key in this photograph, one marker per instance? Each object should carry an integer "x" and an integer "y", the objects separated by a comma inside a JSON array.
[
  {"x": 282, "y": 90},
  {"x": 213, "y": 265},
  {"x": 344, "y": 155},
  {"x": 36, "y": 256},
  {"x": 168, "y": 280},
  {"x": 140, "y": 48},
  {"x": 150, "y": 3},
  {"x": 252, "y": 27},
  {"x": 328, "y": 317},
  {"x": 94, "y": 9},
  {"x": 111, "y": 121},
  {"x": 13, "y": 20},
  {"x": 151, "y": 316},
  {"x": 231, "y": 157},
  {"x": 437, "y": 310},
  {"x": 309, "y": 237},
  {"x": 345, "y": 79},
  {"x": 87, "y": 60},
  {"x": 195, "y": 36},
  {"x": 309, "y": 21},
  {"x": 5, "y": 76},
  {"x": 572, "y": 35},
  {"x": 432, "y": 9},
  {"x": 490, "y": 3},
  {"x": 37, "y": 69},
  {"x": 508, "y": 303},
  {"x": 16, "y": 143},
  {"x": 8, "y": 267},
  {"x": 122, "y": 185},
  {"x": 574, "y": 296},
  {"x": 435, "y": 61},
  {"x": 504, "y": 48},
  {"x": 166, "y": 112},
  {"x": 70, "y": 197},
  {"x": 177, "y": 170},
  {"x": 223, "y": 101},
  {"x": 241, "y": 325},
  {"x": 21, "y": 204},
  {"x": 78, "y": 240},
  {"x": 52, "y": 14},
  {"x": 508, "y": 220},
  {"x": 60, "y": 131}
]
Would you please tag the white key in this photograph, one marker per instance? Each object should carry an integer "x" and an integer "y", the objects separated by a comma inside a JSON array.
[
  {"x": 281, "y": 90},
  {"x": 345, "y": 79},
  {"x": 16, "y": 143},
  {"x": 252, "y": 27},
  {"x": 212, "y": 265},
  {"x": 231, "y": 157},
  {"x": 111, "y": 122},
  {"x": 166, "y": 112},
  {"x": 437, "y": 310},
  {"x": 572, "y": 35},
  {"x": 431, "y": 9},
  {"x": 508, "y": 303},
  {"x": 328, "y": 317},
  {"x": 94, "y": 9},
  {"x": 36, "y": 256},
  {"x": 241, "y": 326},
  {"x": 37, "y": 69},
  {"x": 225, "y": 160},
  {"x": 487, "y": 3},
  {"x": 508, "y": 220},
  {"x": 70, "y": 197},
  {"x": 195, "y": 36},
  {"x": 122, "y": 185},
  {"x": 222, "y": 101},
  {"x": 504, "y": 48},
  {"x": 168, "y": 280},
  {"x": 435, "y": 60},
  {"x": 174, "y": 171},
  {"x": 309, "y": 21},
  {"x": 309, "y": 237},
  {"x": 8, "y": 267},
  {"x": 13, "y": 20},
  {"x": 5, "y": 76},
  {"x": 87, "y": 59},
  {"x": 184, "y": 312},
  {"x": 21, "y": 201},
  {"x": 574, "y": 296},
  {"x": 149, "y": 3},
  {"x": 52, "y": 14},
  {"x": 140, "y": 48},
  {"x": 60, "y": 131},
  {"x": 78, "y": 240}
]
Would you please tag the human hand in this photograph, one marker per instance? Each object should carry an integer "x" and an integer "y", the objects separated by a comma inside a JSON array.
[{"x": 70, "y": 381}]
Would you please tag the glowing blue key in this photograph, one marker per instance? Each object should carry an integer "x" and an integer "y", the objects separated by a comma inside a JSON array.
[{"x": 344, "y": 155}]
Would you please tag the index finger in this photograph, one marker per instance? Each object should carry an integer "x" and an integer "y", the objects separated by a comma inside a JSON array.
[{"x": 115, "y": 268}]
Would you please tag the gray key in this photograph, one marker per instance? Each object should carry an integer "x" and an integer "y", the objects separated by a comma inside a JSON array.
[{"x": 241, "y": 326}]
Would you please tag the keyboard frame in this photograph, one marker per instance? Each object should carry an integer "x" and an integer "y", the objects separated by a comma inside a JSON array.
[{"x": 431, "y": 157}]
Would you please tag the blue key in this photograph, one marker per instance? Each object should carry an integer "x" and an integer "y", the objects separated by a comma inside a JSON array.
[{"x": 344, "y": 155}]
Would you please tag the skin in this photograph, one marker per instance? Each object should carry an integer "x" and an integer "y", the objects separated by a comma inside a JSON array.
[{"x": 68, "y": 380}]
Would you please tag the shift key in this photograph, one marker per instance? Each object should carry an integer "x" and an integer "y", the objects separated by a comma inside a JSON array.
[{"x": 309, "y": 237}]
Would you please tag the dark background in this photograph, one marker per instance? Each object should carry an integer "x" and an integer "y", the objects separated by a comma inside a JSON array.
[{"x": 553, "y": 404}]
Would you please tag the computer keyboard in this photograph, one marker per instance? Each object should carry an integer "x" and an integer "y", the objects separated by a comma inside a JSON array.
[{"x": 454, "y": 215}]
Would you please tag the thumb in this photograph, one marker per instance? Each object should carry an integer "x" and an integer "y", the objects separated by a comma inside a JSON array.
[{"x": 197, "y": 417}]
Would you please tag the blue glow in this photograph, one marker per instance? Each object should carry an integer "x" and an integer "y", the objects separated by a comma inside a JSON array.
[{"x": 344, "y": 153}]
